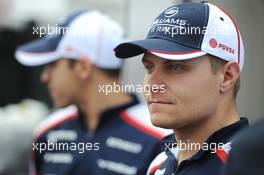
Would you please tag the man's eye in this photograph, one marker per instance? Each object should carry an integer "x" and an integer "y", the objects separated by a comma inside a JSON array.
[
  {"x": 148, "y": 68},
  {"x": 176, "y": 67},
  {"x": 52, "y": 64}
]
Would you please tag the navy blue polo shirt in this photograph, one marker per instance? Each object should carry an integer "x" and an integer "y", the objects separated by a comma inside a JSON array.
[
  {"x": 209, "y": 160},
  {"x": 125, "y": 142}
]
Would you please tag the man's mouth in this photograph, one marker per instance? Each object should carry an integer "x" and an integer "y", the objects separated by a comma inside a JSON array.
[{"x": 159, "y": 102}]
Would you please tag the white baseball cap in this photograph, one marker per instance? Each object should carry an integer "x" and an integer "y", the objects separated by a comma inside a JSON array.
[
  {"x": 187, "y": 31},
  {"x": 89, "y": 33}
]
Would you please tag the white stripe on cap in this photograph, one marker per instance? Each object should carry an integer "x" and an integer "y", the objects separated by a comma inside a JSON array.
[
  {"x": 35, "y": 59},
  {"x": 180, "y": 56}
]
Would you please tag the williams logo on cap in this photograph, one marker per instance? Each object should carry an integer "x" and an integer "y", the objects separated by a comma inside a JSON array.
[{"x": 171, "y": 12}]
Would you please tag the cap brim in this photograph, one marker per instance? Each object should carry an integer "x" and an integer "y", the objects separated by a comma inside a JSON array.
[
  {"x": 38, "y": 52},
  {"x": 159, "y": 47}
]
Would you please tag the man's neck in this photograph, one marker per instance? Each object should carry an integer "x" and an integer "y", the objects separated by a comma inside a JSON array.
[{"x": 199, "y": 132}]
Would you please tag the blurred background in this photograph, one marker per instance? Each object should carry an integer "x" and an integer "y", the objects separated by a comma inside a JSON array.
[{"x": 24, "y": 100}]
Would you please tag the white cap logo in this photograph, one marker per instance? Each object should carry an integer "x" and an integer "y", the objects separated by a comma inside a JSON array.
[{"x": 171, "y": 12}]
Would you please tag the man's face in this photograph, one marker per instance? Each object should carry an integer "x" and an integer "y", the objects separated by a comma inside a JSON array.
[
  {"x": 191, "y": 92},
  {"x": 62, "y": 82}
]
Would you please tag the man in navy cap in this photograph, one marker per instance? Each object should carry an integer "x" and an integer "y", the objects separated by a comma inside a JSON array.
[
  {"x": 196, "y": 52},
  {"x": 104, "y": 132}
]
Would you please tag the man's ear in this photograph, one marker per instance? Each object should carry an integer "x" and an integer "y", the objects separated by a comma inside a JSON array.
[
  {"x": 231, "y": 73},
  {"x": 84, "y": 67}
]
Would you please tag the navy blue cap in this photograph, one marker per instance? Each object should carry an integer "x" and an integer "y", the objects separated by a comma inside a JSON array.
[
  {"x": 44, "y": 49},
  {"x": 159, "y": 38},
  {"x": 49, "y": 43},
  {"x": 187, "y": 31},
  {"x": 79, "y": 36}
]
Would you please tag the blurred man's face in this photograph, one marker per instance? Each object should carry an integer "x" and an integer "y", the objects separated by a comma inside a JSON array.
[
  {"x": 62, "y": 82},
  {"x": 191, "y": 91}
]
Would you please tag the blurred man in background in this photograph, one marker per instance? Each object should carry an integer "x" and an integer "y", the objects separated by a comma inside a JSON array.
[{"x": 101, "y": 134}]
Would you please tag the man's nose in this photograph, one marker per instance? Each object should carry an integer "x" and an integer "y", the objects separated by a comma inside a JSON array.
[{"x": 155, "y": 82}]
